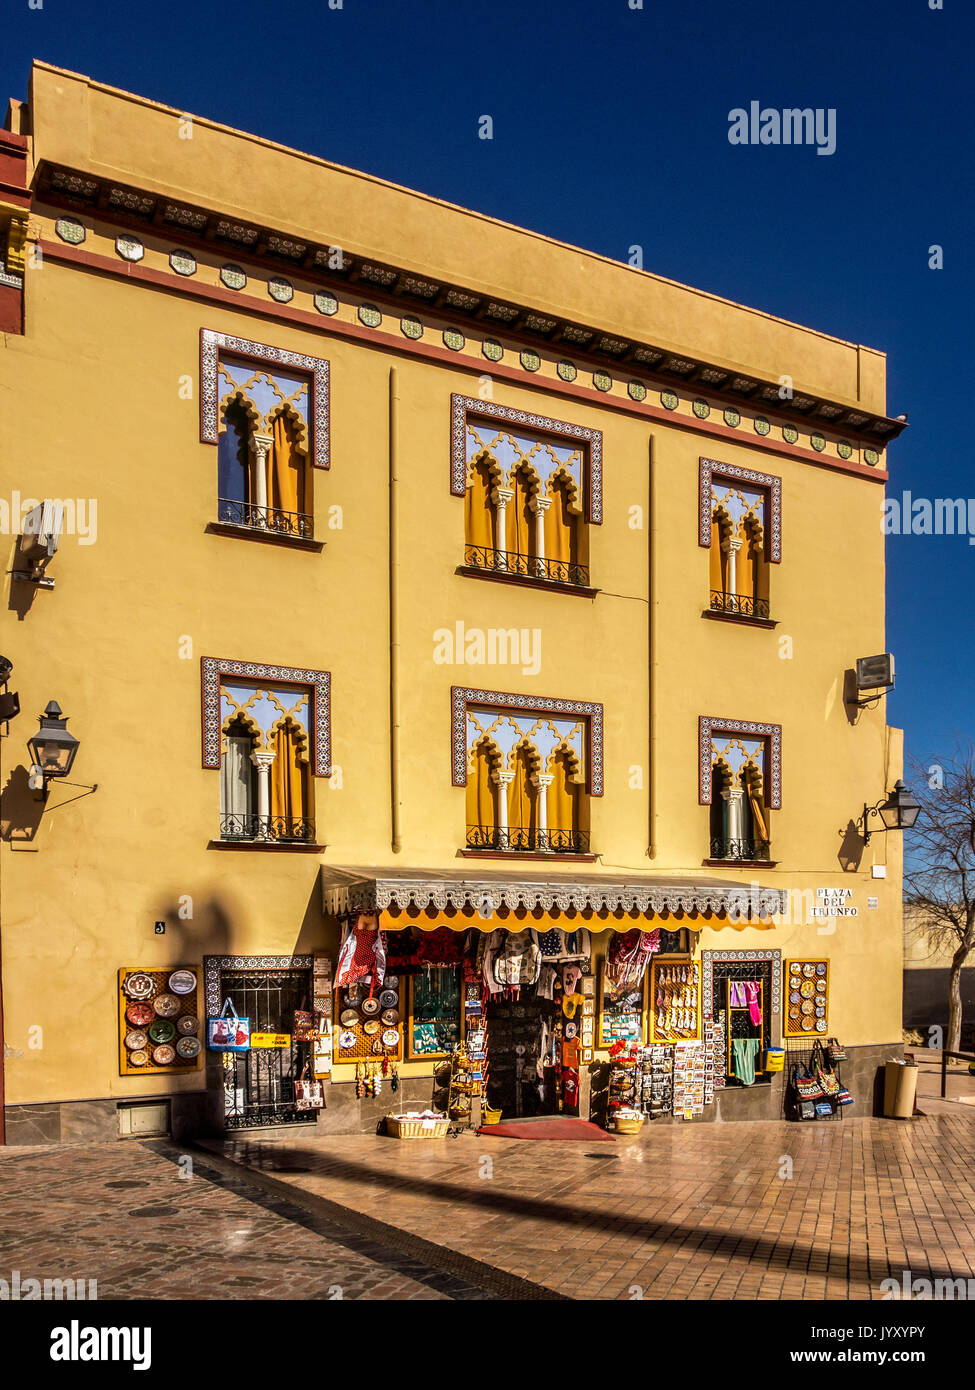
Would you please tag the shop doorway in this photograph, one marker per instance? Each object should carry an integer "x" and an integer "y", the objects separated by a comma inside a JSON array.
[
  {"x": 520, "y": 1034},
  {"x": 259, "y": 1085}
]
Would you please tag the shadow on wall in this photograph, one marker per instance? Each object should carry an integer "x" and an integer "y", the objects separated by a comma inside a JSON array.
[
  {"x": 851, "y": 848},
  {"x": 21, "y": 595},
  {"x": 20, "y": 809},
  {"x": 926, "y": 1001}
]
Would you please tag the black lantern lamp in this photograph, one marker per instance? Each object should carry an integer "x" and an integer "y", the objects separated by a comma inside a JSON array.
[
  {"x": 52, "y": 748},
  {"x": 898, "y": 812}
]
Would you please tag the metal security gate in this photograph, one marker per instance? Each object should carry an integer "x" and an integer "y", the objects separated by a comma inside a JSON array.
[{"x": 259, "y": 1085}]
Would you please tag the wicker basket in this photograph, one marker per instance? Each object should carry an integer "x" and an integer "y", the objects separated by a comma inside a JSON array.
[
  {"x": 412, "y": 1128},
  {"x": 628, "y": 1124}
]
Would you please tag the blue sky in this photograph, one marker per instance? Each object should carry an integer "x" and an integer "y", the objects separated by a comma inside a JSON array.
[{"x": 610, "y": 129}]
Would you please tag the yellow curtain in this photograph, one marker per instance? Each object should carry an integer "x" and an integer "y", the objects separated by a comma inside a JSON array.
[
  {"x": 563, "y": 796},
  {"x": 753, "y": 790},
  {"x": 289, "y": 776},
  {"x": 522, "y": 794},
  {"x": 481, "y": 791},
  {"x": 561, "y": 528},
  {"x": 479, "y": 512},
  {"x": 718, "y": 581},
  {"x": 286, "y": 491},
  {"x": 520, "y": 518},
  {"x": 746, "y": 566}
]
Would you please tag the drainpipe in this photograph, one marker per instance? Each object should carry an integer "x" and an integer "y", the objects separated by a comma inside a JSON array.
[
  {"x": 651, "y": 674},
  {"x": 395, "y": 804}
]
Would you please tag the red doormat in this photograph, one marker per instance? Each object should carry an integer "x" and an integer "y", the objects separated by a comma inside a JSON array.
[{"x": 559, "y": 1127}]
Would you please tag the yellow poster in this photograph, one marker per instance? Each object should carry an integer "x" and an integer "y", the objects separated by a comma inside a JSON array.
[{"x": 270, "y": 1039}]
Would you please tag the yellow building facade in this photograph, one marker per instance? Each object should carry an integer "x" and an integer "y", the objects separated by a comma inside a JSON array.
[{"x": 411, "y": 564}]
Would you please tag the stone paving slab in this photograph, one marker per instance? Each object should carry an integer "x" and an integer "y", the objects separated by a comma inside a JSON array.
[
  {"x": 763, "y": 1210},
  {"x": 121, "y": 1214}
]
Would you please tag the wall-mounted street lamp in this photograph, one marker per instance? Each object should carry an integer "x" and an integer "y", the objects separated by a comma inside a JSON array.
[
  {"x": 898, "y": 812},
  {"x": 52, "y": 749}
]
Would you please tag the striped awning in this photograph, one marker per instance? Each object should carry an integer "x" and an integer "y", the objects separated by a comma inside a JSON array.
[{"x": 374, "y": 890}]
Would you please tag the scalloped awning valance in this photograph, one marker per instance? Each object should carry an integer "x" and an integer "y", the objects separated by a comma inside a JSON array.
[{"x": 373, "y": 890}]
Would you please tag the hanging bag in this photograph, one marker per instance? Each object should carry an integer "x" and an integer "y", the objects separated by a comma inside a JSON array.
[
  {"x": 835, "y": 1051},
  {"x": 309, "y": 1095},
  {"x": 828, "y": 1083},
  {"x": 228, "y": 1032}
]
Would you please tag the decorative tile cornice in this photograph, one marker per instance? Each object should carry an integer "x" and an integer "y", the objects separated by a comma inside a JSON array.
[
  {"x": 773, "y": 485},
  {"x": 212, "y": 668},
  {"x": 772, "y": 733},
  {"x": 462, "y": 696},
  {"x": 214, "y": 965},
  {"x": 211, "y": 345},
  {"x": 464, "y": 407}
]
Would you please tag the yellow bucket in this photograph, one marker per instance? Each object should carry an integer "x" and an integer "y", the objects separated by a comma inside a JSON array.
[
  {"x": 490, "y": 1116},
  {"x": 775, "y": 1059}
]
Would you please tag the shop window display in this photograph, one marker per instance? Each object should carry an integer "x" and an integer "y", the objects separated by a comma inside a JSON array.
[{"x": 435, "y": 1011}]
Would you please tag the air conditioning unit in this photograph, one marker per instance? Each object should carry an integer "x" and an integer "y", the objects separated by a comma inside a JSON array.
[{"x": 39, "y": 542}]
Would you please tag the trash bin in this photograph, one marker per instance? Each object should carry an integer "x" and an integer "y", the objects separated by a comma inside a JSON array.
[{"x": 900, "y": 1088}]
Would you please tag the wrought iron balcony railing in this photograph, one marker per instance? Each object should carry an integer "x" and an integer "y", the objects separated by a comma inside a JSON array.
[
  {"x": 267, "y": 828},
  {"x": 740, "y": 604},
  {"x": 749, "y": 850},
  {"x": 519, "y": 838},
  {"x": 266, "y": 519},
  {"x": 510, "y": 562}
]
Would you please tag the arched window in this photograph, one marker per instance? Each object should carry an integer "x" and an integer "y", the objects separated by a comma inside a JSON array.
[
  {"x": 289, "y": 783},
  {"x": 480, "y": 516},
  {"x": 562, "y": 549},
  {"x": 288, "y": 478},
  {"x": 238, "y": 782},
  {"x": 564, "y": 831},
  {"x": 482, "y": 797},
  {"x": 739, "y": 558},
  {"x": 233, "y": 463},
  {"x": 523, "y": 801}
]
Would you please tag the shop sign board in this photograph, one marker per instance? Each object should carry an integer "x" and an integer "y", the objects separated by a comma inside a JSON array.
[
  {"x": 270, "y": 1039},
  {"x": 834, "y": 902}
]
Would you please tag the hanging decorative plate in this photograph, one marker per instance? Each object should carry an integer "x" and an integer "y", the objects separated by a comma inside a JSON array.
[
  {"x": 139, "y": 985},
  {"x": 806, "y": 1006},
  {"x": 818, "y": 441},
  {"x": 389, "y": 1018},
  {"x": 326, "y": 303},
  {"x": 845, "y": 449},
  {"x": 348, "y": 1018},
  {"x": 163, "y": 1056},
  {"x": 454, "y": 339},
  {"x": 732, "y": 417},
  {"x": 370, "y": 1006},
  {"x": 795, "y": 968},
  {"x": 567, "y": 370},
  {"x": 762, "y": 426},
  {"x": 130, "y": 248},
  {"x": 347, "y": 1041},
  {"x": 411, "y": 327},
  {"x": 790, "y": 434},
  {"x": 182, "y": 982},
  {"x": 392, "y": 982},
  {"x": 636, "y": 390},
  {"x": 352, "y": 995},
  {"x": 821, "y": 968},
  {"x": 701, "y": 408},
  {"x": 377, "y": 1046},
  {"x": 162, "y": 1031},
  {"x": 794, "y": 1011},
  {"x": 530, "y": 361},
  {"x": 139, "y": 1015},
  {"x": 821, "y": 986},
  {"x": 388, "y": 999},
  {"x": 820, "y": 1010},
  {"x": 166, "y": 1005},
  {"x": 370, "y": 315},
  {"x": 70, "y": 230},
  {"x": 807, "y": 1025},
  {"x": 371, "y": 1028},
  {"x": 390, "y": 1038},
  {"x": 602, "y": 381},
  {"x": 872, "y": 457},
  {"x": 807, "y": 989},
  {"x": 820, "y": 1025},
  {"x": 135, "y": 1040},
  {"x": 188, "y": 1048},
  {"x": 808, "y": 969},
  {"x": 794, "y": 997},
  {"x": 492, "y": 349},
  {"x": 571, "y": 1029},
  {"x": 138, "y": 1059},
  {"x": 188, "y": 1025},
  {"x": 668, "y": 400},
  {"x": 233, "y": 277}
]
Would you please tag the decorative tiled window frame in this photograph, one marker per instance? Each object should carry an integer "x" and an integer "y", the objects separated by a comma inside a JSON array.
[
  {"x": 734, "y": 474},
  {"x": 212, "y": 668},
  {"x": 462, "y": 696},
  {"x": 772, "y": 733},
  {"x": 463, "y": 406},
  {"x": 213, "y": 965},
  {"x": 211, "y": 345},
  {"x": 710, "y": 958}
]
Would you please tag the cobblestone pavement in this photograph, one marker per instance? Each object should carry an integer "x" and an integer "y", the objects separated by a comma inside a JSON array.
[
  {"x": 121, "y": 1214},
  {"x": 764, "y": 1210}
]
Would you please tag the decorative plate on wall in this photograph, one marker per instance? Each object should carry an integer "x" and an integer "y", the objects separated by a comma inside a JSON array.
[
  {"x": 567, "y": 370},
  {"x": 454, "y": 339},
  {"x": 636, "y": 390},
  {"x": 669, "y": 400},
  {"x": 790, "y": 434},
  {"x": 701, "y": 408},
  {"x": 732, "y": 417},
  {"x": 139, "y": 985},
  {"x": 183, "y": 262},
  {"x": 492, "y": 349},
  {"x": 762, "y": 426},
  {"x": 370, "y": 315},
  {"x": 188, "y": 1026},
  {"x": 281, "y": 289},
  {"x": 530, "y": 361},
  {"x": 326, "y": 303},
  {"x": 602, "y": 381},
  {"x": 233, "y": 277},
  {"x": 70, "y": 230},
  {"x": 411, "y": 327},
  {"x": 140, "y": 1015}
]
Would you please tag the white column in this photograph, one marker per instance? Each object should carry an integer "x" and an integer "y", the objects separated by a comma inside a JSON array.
[
  {"x": 540, "y": 506},
  {"x": 262, "y": 761},
  {"x": 542, "y": 780},
  {"x": 501, "y": 497},
  {"x": 731, "y": 548},
  {"x": 733, "y": 813},
  {"x": 504, "y": 780},
  {"x": 260, "y": 452}
]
